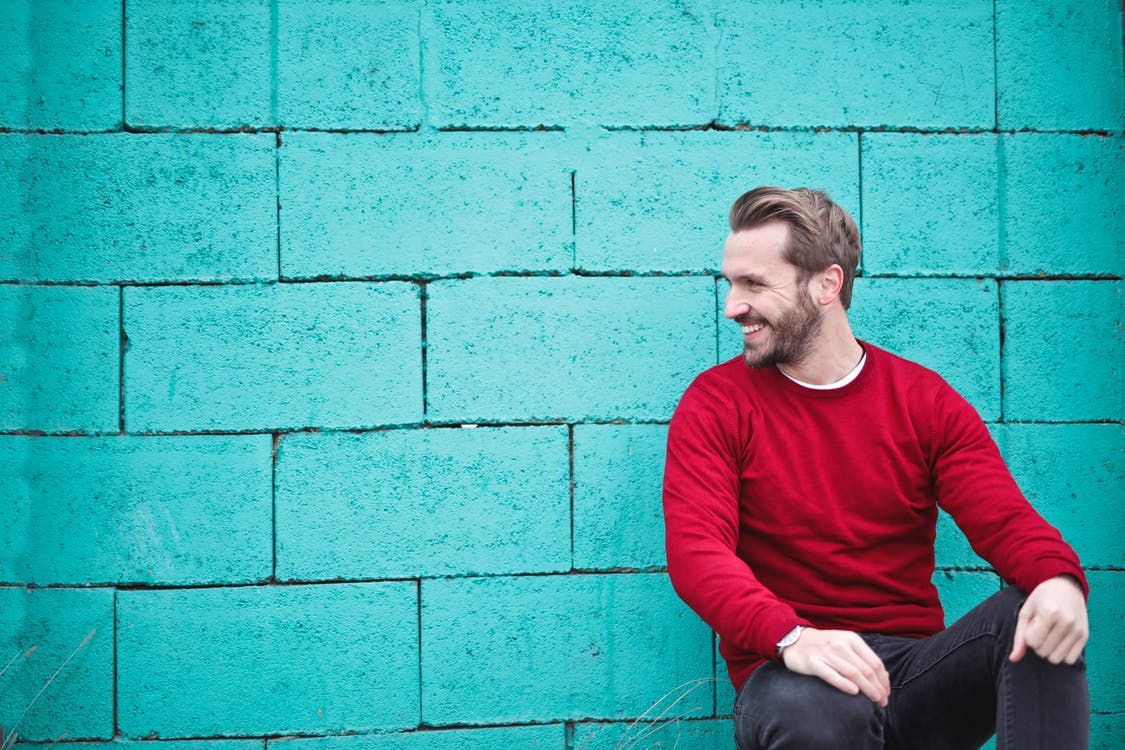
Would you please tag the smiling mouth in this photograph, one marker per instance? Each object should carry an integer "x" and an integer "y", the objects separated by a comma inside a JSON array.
[{"x": 753, "y": 328}]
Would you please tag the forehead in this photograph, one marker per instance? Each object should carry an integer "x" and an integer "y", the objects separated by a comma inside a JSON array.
[{"x": 757, "y": 251}]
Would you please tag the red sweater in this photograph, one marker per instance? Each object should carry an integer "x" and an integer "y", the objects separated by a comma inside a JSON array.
[{"x": 788, "y": 506}]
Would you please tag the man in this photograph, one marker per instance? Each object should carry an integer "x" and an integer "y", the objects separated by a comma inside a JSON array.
[{"x": 801, "y": 492}]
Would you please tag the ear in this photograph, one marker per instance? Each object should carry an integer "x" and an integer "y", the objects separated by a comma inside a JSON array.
[{"x": 827, "y": 284}]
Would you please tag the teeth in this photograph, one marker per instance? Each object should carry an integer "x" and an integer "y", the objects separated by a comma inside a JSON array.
[{"x": 753, "y": 328}]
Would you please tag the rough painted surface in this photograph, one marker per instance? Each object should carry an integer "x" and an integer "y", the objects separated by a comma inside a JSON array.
[
  {"x": 198, "y": 63},
  {"x": 257, "y": 224},
  {"x": 542, "y": 737},
  {"x": 689, "y": 734},
  {"x": 1064, "y": 350},
  {"x": 423, "y": 205},
  {"x": 423, "y": 503},
  {"x": 1106, "y": 653},
  {"x": 511, "y": 649},
  {"x": 657, "y": 201},
  {"x": 1064, "y": 204},
  {"x": 41, "y": 631},
  {"x": 961, "y": 590},
  {"x": 273, "y": 356},
  {"x": 618, "y": 474},
  {"x": 275, "y": 660},
  {"x": 826, "y": 63},
  {"x": 348, "y": 64},
  {"x": 930, "y": 204},
  {"x": 516, "y": 63},
  {"x": 1058, "y": 64},
  {"x": 123, "y": 207},
  {"x": 168, "y": 510},
  {"x": 61, "y": 64},
  {"x": 1074, "y": 474},
  {"x": 59, "y": 358},
  {"x": 530, "y": 349}
]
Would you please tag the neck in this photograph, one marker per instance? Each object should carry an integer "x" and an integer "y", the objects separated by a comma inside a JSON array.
[{"x": 835, "y": 354}]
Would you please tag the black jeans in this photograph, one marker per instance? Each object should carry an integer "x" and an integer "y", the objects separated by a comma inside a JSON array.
[{"x": 952, "y": 690}]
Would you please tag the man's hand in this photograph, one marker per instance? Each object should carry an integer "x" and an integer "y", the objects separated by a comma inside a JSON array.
[
  {"x": 1052, "y": 622},
  {"x": 841, "y": 659}
]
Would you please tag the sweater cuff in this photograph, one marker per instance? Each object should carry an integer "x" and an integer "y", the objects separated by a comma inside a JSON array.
[
  {"x": 776, "y": 632},
  {"x": 1044, "y": 570}
]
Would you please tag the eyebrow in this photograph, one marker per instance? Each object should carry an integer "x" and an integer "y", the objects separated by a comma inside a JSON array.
[{"x": 747, "y": 277}]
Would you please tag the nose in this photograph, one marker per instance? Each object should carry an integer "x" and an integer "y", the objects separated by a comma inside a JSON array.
[{"x": 733, "y": 307}]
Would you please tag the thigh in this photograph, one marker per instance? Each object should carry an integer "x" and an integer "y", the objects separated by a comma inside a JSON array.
[
  {"x": 777, "y": 709},
  {"x": 944, "y": 688}
]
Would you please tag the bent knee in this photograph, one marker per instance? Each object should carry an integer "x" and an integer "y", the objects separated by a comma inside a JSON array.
[{"x": 799, "y": 711}]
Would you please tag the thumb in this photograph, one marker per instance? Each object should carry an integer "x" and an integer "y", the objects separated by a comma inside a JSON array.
[{"x": 1019, "y": 640}]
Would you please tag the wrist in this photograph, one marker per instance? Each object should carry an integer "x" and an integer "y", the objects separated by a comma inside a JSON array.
[{"x": 789, "y": 639}]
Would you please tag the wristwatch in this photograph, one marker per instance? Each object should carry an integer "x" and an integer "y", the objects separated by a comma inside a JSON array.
[{"x": 789, "y": 639}]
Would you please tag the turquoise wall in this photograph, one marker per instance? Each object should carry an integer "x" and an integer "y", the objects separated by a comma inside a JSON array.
[{"x": 340, "y": 338}]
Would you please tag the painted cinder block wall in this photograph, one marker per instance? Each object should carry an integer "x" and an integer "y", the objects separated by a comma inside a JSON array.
[{"x": 340, "y": 338}]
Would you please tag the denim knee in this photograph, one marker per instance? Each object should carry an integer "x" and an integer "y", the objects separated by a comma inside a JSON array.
[{"x": 781, "y": 709}]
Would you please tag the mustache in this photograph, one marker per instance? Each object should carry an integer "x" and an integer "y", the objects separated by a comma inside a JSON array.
[{"x": 750, "y": 320}]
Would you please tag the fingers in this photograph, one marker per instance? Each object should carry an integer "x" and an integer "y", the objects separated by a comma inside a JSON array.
[
  {"x": 843, "y": 660},
  {"x": 867, "y": 678},
  {"x": 1052, "y": 623},
  {"x": 1075, "y": 652},
  {"x": 1019, "y": 640}
]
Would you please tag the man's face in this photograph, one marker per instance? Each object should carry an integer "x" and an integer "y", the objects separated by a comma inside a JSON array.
[{"x": 779, "y": 319}]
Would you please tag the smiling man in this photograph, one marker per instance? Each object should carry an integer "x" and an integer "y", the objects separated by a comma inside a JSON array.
[{"x": 801, "y": 492}]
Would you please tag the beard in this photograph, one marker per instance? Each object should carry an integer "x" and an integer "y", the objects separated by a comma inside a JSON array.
[{"x": 791, "y": 335}]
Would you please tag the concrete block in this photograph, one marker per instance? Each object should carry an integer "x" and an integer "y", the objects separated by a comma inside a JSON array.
[
  {"x": 658, "y": 732},
  {"x": 61, "y": 64},
  {"x": 1105, "y": 653},
  {"x": 961, "y": 590},
  {"x": 659, "y": 201},
  {"x": 267, "y": 660},
  {"x": 929, "y": 204},
  {"x": 618, "y": 477},
  {"x": 547, "y": 648},
  {"x": 406, "y": 503},
  {"x": 41, "y": 631},
  {"x": 1058, "y": 65},
  {"x": 951, "y": 548},
  {"x": 1074, "y": 475},
  {"x": 199, "y": 64},
  {"x": 1064, "y": 199},
  {"x": 1063, "y": 350},
  {"x": 949, "y": 325},
  {"x": 538, "y": 737},
  {"x": 1107, "y": 731},
  {"x": 514, "y": 63},
  {"x": 167, "y": 510},
  {"x": 568, "y": 348},
  {"x": 282, "y": 356},
  {"x": 409, "y": 204},
  {"x": 59, "y": 358},
  {"x": 827, "y": 63},
  {"x": 348, "y": 64},
  {"x": 725, "y": 694},
  {"x": 128, "y": 207},
  {"x": 126, "y": 744}
]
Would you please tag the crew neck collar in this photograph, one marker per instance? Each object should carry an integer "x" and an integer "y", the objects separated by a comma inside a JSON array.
[{"x": 837, "y": 384}]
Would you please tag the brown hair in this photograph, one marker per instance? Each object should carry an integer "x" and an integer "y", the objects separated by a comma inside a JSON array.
[{"x": 820, "y": 232}]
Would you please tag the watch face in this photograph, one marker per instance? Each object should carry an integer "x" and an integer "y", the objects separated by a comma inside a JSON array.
[{"x": 790, "y": 638}]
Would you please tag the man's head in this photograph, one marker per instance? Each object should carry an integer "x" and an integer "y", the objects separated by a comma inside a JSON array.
[
  {"x": 790, "y": 260},
  {"x": 820, "y": 232}
]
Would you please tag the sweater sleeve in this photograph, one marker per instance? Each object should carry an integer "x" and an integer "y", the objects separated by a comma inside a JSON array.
[
  {"x": 976, "y": 488},
  {"x": 701, "y": 516}
]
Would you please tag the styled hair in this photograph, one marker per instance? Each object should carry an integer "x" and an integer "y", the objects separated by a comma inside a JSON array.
[{"x": 820, "y": 232}]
